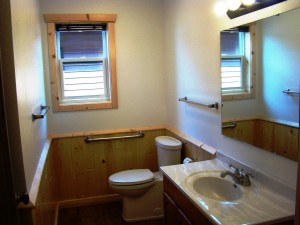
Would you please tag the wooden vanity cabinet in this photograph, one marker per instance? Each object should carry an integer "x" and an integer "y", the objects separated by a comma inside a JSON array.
[
  {"x": 174, "y": 215},
  {"x": 178, "y": 209}
]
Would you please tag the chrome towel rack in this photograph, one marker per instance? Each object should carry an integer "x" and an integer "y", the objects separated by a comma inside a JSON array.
[
  {"x": 214, "y": 105},
  {"x": 44, "y": 110},
  {"x": 140, "y": 134},
  {"x": 288, "y": 91}
]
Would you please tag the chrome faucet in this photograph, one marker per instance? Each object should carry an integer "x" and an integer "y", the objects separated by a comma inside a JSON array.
[{"x": 238, "y": 176}]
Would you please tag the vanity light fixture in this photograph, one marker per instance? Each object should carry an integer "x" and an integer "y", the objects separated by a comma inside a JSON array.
[{"x": 238, "y": 8}]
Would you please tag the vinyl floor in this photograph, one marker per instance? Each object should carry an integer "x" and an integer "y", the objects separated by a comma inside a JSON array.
[{"x": 102, "y": 214}]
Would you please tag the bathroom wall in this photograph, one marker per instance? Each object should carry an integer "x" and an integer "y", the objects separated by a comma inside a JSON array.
[
  {"x": 140, "y": 63},
  {"x": 192, "y": 69},
  {"x": 166, "y": 50},
  {"x": 29, "y": 75}
]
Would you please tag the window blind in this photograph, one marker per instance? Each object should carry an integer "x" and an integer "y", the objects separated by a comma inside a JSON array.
[
  {"x": 82, "y": 79},
  {"x": 231, "y": 70}
]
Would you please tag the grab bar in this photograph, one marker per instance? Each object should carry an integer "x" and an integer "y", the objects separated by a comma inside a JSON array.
[
  {"x": 229, "y": 125},
  {"x": 288, "y": 91},
  {"x": 140, "y": 134},
  {"x": 185, "y": 99},
  {"x": 41, "y": 115}
]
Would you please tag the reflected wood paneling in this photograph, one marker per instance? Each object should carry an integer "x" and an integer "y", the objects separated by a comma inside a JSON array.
[
  {"x": 286, "y": 141},
  {"x": 274, "y": 137},
  {"x": 243, "y": 131}
]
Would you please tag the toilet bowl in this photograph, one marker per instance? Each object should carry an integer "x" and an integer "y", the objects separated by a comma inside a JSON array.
[
  {"x": 132, "y": 182},
  {"x": 142, "y": 190}
]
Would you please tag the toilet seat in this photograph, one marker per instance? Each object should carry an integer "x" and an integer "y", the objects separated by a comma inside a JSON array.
[{"x": 131, "y": 177}]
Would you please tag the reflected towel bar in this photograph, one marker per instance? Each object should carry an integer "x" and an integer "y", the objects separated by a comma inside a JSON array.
[
  {"x": 229, "y": 125},
  {"x": 41, "y": 115},
  {"x": 140, "y": 134},
  {"x": 214, "y": 105},
  {"x": 288, "y": 91}
]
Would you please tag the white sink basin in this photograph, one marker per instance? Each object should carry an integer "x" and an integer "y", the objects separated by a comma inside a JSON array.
[
  {"x": 217, "y": 188},
  {"x": 210, "y": 185}
]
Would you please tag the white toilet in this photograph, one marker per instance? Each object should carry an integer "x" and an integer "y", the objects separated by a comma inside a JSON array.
[{"x": 142, "y": 190}]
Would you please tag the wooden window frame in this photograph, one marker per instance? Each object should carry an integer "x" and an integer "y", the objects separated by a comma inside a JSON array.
[{"x": 52, "y": 20}]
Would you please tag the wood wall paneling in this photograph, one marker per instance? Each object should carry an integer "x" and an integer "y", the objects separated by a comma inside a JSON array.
[
  {"x": 45, "y": 210},
  {"x": 76, "y": 173},
  {"x": 196, "y": 153},
  {"x": 85, "y": 168}
]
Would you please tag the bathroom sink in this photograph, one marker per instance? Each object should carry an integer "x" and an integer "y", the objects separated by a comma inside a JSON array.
[
  {"x": 210, "y": 185},
  {"x": 217, "y": 188}
]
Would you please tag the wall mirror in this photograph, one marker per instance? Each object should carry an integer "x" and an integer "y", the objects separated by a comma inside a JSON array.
[{"x": 260, "y": 83}]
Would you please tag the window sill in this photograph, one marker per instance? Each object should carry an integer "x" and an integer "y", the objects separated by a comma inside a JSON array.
[
  {"x": 237, "y": 96},
  {"x": 83, "y": 107}
]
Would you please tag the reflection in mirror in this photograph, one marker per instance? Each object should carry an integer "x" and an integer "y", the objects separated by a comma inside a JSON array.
[{"x": 256, "y": 109}]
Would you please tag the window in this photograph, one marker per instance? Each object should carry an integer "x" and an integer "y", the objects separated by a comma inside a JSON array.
[
  {"x": 82, "y": 61},
  {"x": 237, "y": 63}
]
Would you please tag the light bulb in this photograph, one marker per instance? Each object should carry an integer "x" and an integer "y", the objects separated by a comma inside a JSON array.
[
  {"x": 248, "y": 2},
  {"x": 233, "y": 4},
  {"x": 220, "y": 8}
]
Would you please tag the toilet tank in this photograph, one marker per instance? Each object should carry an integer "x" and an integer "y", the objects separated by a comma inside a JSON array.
[{"x": 168, "y": 150}]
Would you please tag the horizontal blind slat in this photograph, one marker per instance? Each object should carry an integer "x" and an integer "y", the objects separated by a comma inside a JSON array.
[{"x": 84, "y": 93}]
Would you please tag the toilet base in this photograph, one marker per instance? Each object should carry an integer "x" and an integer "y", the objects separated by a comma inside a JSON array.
[{"x": 146, "y": 207}]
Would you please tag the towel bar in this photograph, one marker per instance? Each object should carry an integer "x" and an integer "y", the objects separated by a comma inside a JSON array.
[
  {"x": 214, "y": 105},
  {"x": 138, "y": 135}
]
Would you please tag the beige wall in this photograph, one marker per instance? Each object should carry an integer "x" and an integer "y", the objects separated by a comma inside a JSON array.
[
  {"x": 29, "y": 73},
  {"x": 140, "y": 63}
]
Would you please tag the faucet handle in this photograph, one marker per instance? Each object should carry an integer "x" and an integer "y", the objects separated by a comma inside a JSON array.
[
  {"x": 246, "y": 174},
  {"x": 236, "y": 169},
  {"x": 246, "y": 178}
]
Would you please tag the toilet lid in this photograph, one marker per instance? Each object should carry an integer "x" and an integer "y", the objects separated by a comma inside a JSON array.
[
  {"x": 130, "y": 177},
  {"x": 168, "y": 142}
]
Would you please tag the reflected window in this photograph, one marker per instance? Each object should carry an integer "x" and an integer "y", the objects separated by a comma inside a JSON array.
[{"x": 236, "y": 62}]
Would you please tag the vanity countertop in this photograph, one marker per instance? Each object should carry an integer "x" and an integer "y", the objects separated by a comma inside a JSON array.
[{"x": 270, "y": 204}]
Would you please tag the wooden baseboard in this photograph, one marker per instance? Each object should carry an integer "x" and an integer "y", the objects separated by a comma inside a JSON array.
[{"x": 89, "y": 201}]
